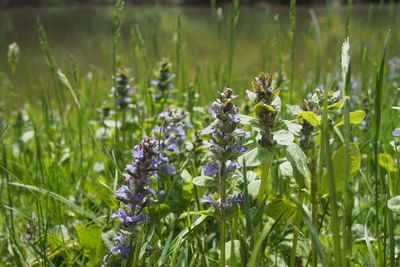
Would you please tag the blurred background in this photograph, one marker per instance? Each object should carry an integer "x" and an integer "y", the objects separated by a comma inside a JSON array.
[
  {"x": 82, "y": 30},
  {"x": 185, "y": 2}
]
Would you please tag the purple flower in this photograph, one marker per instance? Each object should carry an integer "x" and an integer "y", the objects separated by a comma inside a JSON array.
[
  {"x": 207, "y": 131},
  {"x": 208, "y": 198},
  {"x": 211, "y": 169},
  {"x": 231, "y": 166},
  {"x": 236, "y": 198},
  {"x": 121, "y": 249},
  {"x": 172, "y": 134},
  {"x": 239, "y": 149},
  {"x": 396, "y": 133},
  {"x": 136, "y": 190},
  {"x": 136, "y": 153}
]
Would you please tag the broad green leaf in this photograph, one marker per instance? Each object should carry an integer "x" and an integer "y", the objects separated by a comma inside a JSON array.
[
  {"x": 89, "y": 237},
  {"x": 356, "y": 117},
  {"x": 387, "y": 162},
  {"x": 253, "y": 188},
  {"x": 186, "y": 176},
  {"x": 256, "y": 157},
  {"x": 311, "y": 118},
  {"x": 244, "y": 119},
  {"x": 294, "y": 128},
  {"x": 286, "y": 169},
  {"x": 294, "y": 109},
  {"x": 298, "y": 160},
  {"x": 339, "y": 167},
  {"x": 235, "y": 246},
  {"x": 281, "y": 208},
  {"x": 283, "y": 137},
  {"x": 337, "y": 105},
  {"x": 206, "y": 181},
  {"x": 394, "y": 204}
]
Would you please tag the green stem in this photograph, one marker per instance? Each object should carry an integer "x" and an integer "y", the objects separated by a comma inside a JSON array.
[
  {"x": 264, "y": 181},
  {"x": 137, "y": 251},
  {"x": 296, "y": 232},
  {"x": 223, "y": 232},
  {"x": 314, "y": 203}
]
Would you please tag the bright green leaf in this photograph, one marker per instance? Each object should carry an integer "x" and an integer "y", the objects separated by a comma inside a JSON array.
[
  {"x": 311, "y": 118},
  {"x": 206, "y": 181},
  {"x": 298, "y": 160}
]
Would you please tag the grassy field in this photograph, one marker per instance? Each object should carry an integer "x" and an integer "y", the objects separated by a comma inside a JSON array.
[{"x": 156, "y": 137}]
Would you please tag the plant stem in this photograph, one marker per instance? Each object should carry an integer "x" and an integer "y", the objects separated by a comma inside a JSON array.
[
  {"x": 296, "y": 232},
  {"x": 223, "y": 232},
  {"x": 314, "y": 203},
  {"x": 264, "y": 181}
]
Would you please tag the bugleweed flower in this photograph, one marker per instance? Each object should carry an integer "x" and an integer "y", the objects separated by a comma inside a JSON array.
[
  {"x": 123, "y": 91},
  {"x": 306, "y": 128},
  {"x": 225, "y": 143},
  {"x": 163, "y": 78},
  {"x": 314, "y": 104},
  {"x": 224, "y": 207},
  {"x": 134, "y": 194},
  {"x": 172, "y": 134},
  {"x": 265, "y": 108}
]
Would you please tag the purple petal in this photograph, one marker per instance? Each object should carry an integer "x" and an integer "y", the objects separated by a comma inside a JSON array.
[
  {"x": 396, "y": 132},
  {"x": 211, "y": 169},
  {"x": 131, "y": 168},
  {"x": 156, "y": 129},
  {"x": 207, "y": 131},
  {"x": 137, "y": 153},
  {"x": 207, "y": 199},
  {"x": 240, "y": 149}
]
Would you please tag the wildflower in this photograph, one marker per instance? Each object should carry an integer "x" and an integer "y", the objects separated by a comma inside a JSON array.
[
  {"x": 225, "y": 207},
  {"x": 266, "y": 107},
  {"x": 396, "y": 133},
  {"x": 172, "y": 135},
  {"x": 224, "y": 145},
  {"x": 163, "y": 77},
  {"x": 123, "y": 91},
  {"x": 135, "y": 192}
]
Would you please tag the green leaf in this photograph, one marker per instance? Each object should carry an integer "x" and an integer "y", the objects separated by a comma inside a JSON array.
[
  {"x": 232, "y": 246},
  {"x": 311, "y": 118},
  {"x": 394, "y": 204},
  {"x": 253, "y": 188},
  {"x": 294, "y": 109},
  {"x": 286, "y": 169},
  {"x": 356, "y": 117},
  {"x": 90, "y": 238},
  {"x": 283, "y": 137},
  {"x": 337, "y": 105},
  {"x": 156, "y": 212},
  {"x": 298, "y": 160},
  {"x": 281, "y": 208},
  {"x": 256, "y": 157},
  {"x": 339, "y": 167},
  {"x": 244, "y": 119},
  {"x": 387, "y": 162},
  {"x": 206, "y": 181}
]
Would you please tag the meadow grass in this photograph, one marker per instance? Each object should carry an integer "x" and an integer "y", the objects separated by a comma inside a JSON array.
[{"x": 311, "y": 180}]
